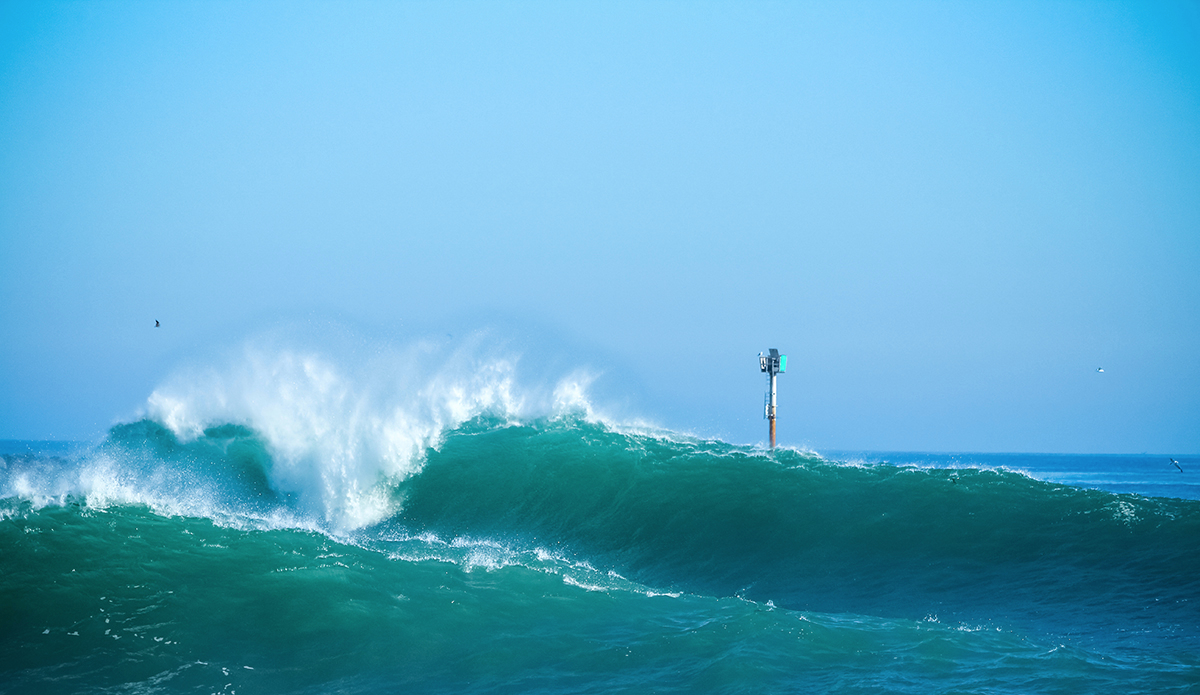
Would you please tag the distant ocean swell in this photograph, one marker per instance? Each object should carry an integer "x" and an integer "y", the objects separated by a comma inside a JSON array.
[{"x": 490, "y": 550}]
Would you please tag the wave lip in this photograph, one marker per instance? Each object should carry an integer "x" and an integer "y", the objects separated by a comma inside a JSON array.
[
  {"x": 338, "y": 434},
  {"x": 300, "y": 435}
]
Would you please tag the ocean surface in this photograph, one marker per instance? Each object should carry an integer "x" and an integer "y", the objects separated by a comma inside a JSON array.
[{"x": 485, "y": 552}]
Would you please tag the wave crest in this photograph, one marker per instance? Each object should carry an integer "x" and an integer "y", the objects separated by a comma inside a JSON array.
[{"x": 332, "y": 431}]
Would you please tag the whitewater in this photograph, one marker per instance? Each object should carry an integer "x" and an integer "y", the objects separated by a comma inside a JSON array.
[{"x": 406, "y": 520}]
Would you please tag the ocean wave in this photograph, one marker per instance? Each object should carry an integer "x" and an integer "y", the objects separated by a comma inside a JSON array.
[
  {"x": 434, "y": 491},
  {"x": 421, "y": 443}
]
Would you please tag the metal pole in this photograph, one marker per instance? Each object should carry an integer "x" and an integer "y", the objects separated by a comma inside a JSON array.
[{"x": 771, "y": 410}]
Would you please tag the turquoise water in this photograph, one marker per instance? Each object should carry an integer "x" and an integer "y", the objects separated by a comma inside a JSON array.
[{"x": 565, "y": 555}]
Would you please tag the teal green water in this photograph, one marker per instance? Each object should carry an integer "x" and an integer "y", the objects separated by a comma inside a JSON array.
[{"x": 563, "y": 556}]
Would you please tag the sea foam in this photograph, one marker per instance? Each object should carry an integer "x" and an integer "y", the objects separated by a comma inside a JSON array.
[{"x": 338, "y": 425}]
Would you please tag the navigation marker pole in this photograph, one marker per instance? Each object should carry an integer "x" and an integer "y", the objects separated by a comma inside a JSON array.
[{"x": 772, "y": 363}]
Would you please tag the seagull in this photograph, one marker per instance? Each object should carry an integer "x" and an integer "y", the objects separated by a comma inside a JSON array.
[
  {"x": 1100, "y": 369},
  {"x": 156, "y": 323},
  {"x": 1176, "y": 465}
]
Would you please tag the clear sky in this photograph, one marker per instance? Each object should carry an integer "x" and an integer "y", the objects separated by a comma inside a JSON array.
[{"x": 947, "y": 214}]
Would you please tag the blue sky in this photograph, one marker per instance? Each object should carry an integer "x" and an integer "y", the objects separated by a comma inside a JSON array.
[{"x": 947, "y": 214}]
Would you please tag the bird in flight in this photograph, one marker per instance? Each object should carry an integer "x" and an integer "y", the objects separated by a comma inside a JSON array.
[
  {"x": 1099, "y": 369},
  {"x": 156, "y": 323},
  {"x": 1176, "y": 465}
]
